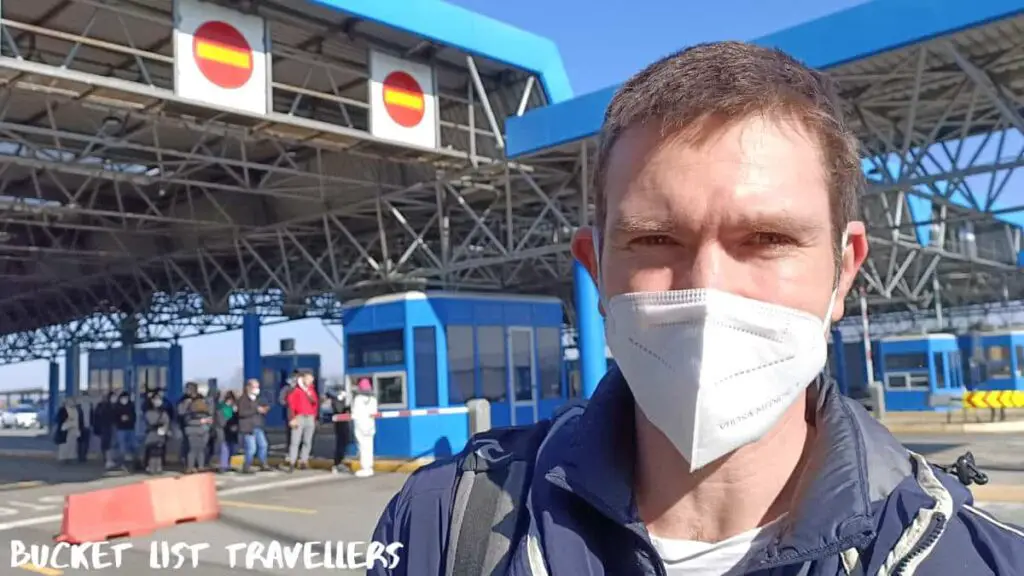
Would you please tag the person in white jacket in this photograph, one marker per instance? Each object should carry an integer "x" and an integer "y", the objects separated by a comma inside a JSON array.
[{"x": 364, "y": 408}]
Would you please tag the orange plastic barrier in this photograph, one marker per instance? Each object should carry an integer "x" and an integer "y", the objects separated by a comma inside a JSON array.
[
  {"x": 184, "y": 499},
  {"x": 138, "y": 509},
  {"x": 99, "y": 515}
]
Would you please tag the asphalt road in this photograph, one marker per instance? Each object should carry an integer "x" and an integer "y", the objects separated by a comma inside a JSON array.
[{"x": 265, "y": 515}]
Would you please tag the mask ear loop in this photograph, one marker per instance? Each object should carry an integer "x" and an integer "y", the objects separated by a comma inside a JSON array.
[{"x": 835, "y": 291}]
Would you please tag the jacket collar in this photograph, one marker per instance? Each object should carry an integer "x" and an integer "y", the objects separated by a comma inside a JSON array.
[{"x": 597, "y": 456}]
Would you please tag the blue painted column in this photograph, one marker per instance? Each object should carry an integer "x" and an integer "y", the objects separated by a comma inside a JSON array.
[
  {"x": 590, "y": 326},
  {"x": 175, "y": 373},
  {"x": 839, "y": 357},
  {"x": 54, "y": 391},
  {"x": 251, "y": 347},
  {"x": 72, "y": 369}
]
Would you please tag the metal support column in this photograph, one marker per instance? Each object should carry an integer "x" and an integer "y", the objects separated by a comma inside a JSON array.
[
  {"x": 72, "y": 369},
  {"x": 175, "y": 373},
  {"x": 590, "y": 323},
  {"x": 251, "y": 346},
  {"x": 54, "y": 392},
  {"x": 839, "y": 361}
]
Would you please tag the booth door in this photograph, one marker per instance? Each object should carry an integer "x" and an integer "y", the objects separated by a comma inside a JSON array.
[{"x": 522, "y": 375}]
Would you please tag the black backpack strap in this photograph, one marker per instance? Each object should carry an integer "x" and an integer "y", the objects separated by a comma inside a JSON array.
[{"x": 494, "y": 482}]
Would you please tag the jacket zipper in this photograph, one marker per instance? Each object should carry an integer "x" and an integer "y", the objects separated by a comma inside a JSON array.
[{"x": 938, "y": 524}]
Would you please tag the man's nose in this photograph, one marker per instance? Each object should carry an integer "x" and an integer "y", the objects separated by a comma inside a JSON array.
[{"x": 702, "y": 269}]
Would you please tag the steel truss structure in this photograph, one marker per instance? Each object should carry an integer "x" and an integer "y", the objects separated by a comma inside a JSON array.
[{"x": 130, "y": 215}]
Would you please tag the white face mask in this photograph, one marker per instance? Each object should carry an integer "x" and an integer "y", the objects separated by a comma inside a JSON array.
[{"x": 714, "y": 371}]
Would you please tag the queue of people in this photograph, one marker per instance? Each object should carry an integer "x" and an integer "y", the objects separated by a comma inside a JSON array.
[{"x": 209, "y": 431}]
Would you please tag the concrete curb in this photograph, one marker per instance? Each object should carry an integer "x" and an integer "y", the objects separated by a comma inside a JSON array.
[
  {"x": 1010, "y": 427},
  {"x": 379, "y": 465}
]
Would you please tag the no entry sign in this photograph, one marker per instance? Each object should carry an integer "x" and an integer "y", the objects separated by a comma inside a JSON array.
[
  {"x": 403, "y": 99},
  {"x": 403, "y": 105},
  {"x": 222, "y": 54}
]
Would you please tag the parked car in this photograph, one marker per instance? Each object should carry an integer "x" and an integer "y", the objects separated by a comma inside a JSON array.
[
  {"x": 27, "y": 416},
  {"x": 8, "y": 419}
]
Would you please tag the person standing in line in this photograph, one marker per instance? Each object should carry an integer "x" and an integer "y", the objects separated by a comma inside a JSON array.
[
  {"x": 67, "y": 431},
  {"x": 303, "y": 409},
  {"x": 124, "y": 426},
  {"x": 227, "y": 430},
  {"x": 342, "y": 431},
  {"x": 198, "y": 419},
  {"x": 83, "y": 406},
  {"x": 282, "y": 399},
  {"x": 181, "y": 410},
  {"x": 364, "y": 411},
  {"x": 103, "y": 427},
  {"x": 158, "y": 424},
  {"x": 251, "y": 415}
]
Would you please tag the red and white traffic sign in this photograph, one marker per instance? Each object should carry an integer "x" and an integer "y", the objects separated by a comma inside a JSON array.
[
  {"x": 222, "y": 54},
  {"x": 403, "y": 107},
  {"x": 220, "y": 57}
]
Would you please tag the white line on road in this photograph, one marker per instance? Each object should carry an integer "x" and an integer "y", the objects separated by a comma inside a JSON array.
[{"x": 290, "y": 483}]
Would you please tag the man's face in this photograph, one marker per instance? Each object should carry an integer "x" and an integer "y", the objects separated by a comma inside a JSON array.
[{"x": 745, "y": 211}]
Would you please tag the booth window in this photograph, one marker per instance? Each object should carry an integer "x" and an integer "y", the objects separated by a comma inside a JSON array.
[
  {"x": 461, "y": 367},
  {"x": 376, "y": 349},
  {"x": 549, "y": 356},
  {"x": 424, "y": 346},
  {"x": 521, "y": 341},
  {"x": 490, "y": 342},
  {"x": 940, "y": 370},
  {"x": 1020, "y": 361},
  {"x": 901, "y": 362},
  {"x": 390, "y": 389},
  {"x": 998, "y": 361}
]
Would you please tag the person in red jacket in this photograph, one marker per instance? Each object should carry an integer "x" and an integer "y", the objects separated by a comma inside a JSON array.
[{"x": 303, "y": 408}]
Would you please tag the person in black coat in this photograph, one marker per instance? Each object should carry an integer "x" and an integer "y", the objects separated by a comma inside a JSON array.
[
  {"x": 342, "y": 430},
  {"x": 226, "y": 430},
  {"x": 103, "y": 426},
  {"x": 251, "y": 412},
  {"x": 198, "y": 417},
  {"x": 124, "y": 429},
  {"x": 158, "y": 425}
]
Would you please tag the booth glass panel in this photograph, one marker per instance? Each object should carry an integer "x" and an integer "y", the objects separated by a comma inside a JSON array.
[
  {"x": 116, "y": 380},
  {"x": 906, "y": 381},
  {"x": 94, "y": 382},
  {"x": 906, "y": 361},
  {"x": 575, "y": 389},
  {"x": 549, "y": 355},
  {"x": 490, "y": 341},
  {"x": 940, "y": 370},
  {"x": 520, "y": 352},
  {"x": 998, "y": 361},
  {"x": 1020, "y": 361},
  {"x": 376, "y": 349},
  {"x": 425, "y": 352},
  {"x": 391, "y": 390},
  {"x": 461, "y": 368}
]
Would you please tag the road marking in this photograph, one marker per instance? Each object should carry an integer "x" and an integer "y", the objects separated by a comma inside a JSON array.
[
  {"x": 293, "y": 482},
  {"x": 19, "y": 485},
  {"x": 271, "y": 507},
  {"x": 40, "y": 570}
]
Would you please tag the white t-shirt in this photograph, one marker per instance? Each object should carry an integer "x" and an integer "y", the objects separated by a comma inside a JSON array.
[{"x": 725, "y": 558}]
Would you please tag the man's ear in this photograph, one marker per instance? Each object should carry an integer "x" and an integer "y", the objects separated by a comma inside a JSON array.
[
  {"x": 854, "y": 254},
  {"x": 584, "y": 251}
]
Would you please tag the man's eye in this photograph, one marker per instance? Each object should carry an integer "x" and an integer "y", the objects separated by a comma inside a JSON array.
[
  {"x": 771, "y": 239},
  {"x": 652, "y": 241}
]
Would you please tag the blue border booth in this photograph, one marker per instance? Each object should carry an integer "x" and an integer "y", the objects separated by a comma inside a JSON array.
[
  {"x": 276, "y": 369},
  {"x": 915, "y": 367},
  {"x": 995, "y": 360},
  {"x": 425, "y": 350},
  {"x": 136, "y": 369}
]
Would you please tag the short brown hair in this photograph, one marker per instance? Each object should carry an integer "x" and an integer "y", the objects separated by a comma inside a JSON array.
[{"x": 734, "y": 81}]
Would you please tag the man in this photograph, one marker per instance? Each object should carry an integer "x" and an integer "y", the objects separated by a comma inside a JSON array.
[
  {"x": 85, "y": 413},
  {"x": 181, "y": 413},
  {"x": 251, "y": 413},
  {"x": 340, "y": 406},
  {"x": 724, "y": 245},
  {"x": 364, "y": 420},
  {"x": 303, "y": 410}
]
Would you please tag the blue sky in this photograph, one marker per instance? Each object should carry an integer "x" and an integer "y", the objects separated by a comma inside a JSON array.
[{"x": 602, "y": 43}]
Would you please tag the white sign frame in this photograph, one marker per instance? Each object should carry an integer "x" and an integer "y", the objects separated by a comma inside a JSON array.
[{"x": 427, "y": 133}]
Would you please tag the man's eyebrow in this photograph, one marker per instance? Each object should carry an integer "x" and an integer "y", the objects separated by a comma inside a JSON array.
[
  {"x": 778, "y": 223},
  {"x": 641, "y": 224}
]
